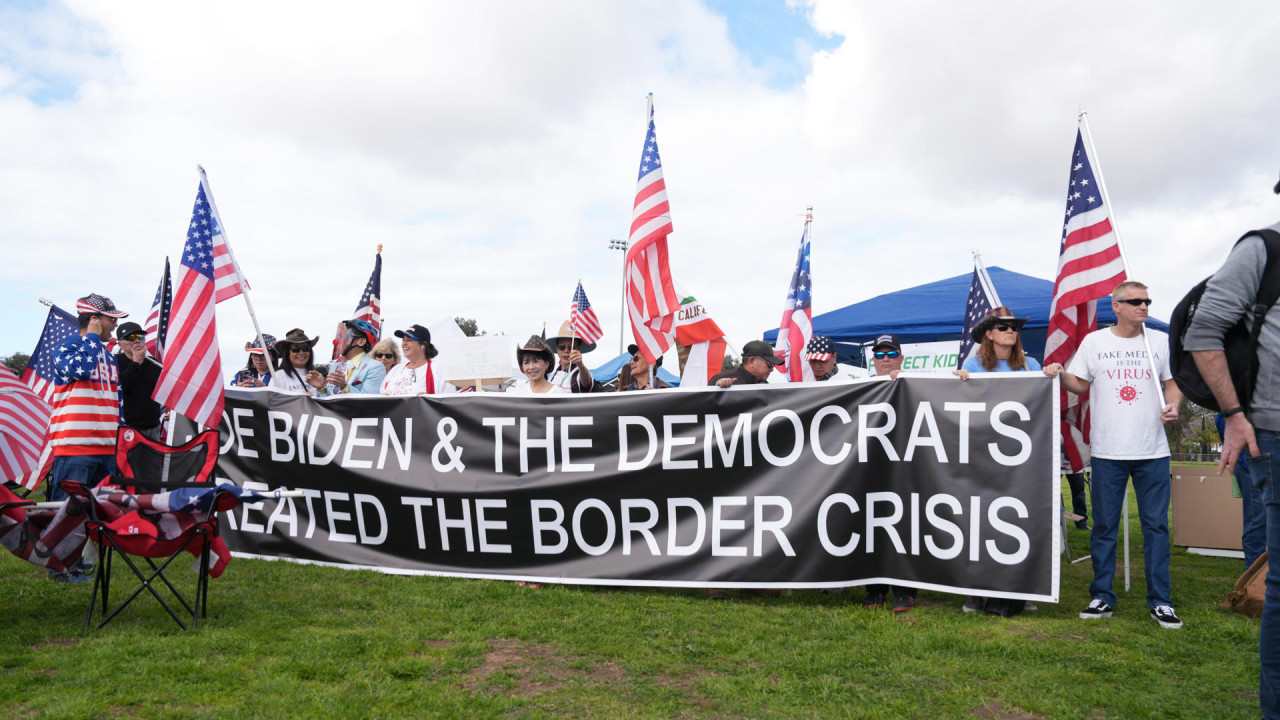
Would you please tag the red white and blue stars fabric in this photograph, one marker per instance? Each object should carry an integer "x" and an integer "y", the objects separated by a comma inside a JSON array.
[{"x": 797, "y": 318}]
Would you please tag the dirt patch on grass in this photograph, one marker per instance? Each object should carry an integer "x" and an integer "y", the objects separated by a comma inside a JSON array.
[
  {"x": 997, "y": 711},
  {"x": 48, "y": 672},
  {"x": 537, "y": 668},
  {"x": 439, "y": 643},
  {"x": 55, "y": 642}
]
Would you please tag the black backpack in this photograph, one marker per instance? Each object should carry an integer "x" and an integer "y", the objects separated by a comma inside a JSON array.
[{"x": 1240, "y": 342}]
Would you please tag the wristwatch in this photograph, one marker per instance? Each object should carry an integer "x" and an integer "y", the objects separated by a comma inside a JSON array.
[{"x": 1233, "y": 411}]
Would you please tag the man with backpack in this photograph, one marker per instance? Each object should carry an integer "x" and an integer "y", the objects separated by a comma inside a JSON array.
[{"x": 1252, "y": 422}]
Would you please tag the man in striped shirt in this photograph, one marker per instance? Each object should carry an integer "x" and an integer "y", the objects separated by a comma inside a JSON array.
[{"x": 86, "y": 401}]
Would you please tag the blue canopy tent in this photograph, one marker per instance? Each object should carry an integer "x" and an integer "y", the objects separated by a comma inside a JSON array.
[
  {"x": 608, "y": 372},
  {"x": 935, "y": 312}
]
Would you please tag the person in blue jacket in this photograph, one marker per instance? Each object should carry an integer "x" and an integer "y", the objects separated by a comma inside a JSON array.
[{"x": 360, "y": 372}]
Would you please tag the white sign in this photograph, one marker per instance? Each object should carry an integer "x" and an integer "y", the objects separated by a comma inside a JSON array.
[
  {"x": 935, "y": 358},
  {"x": 468, "y": 358}
]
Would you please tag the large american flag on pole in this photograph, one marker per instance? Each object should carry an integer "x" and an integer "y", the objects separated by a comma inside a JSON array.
[
  {"x": 191, "y": 381},
  {"x": 583, "y": 319},
  {"x": 981, "y": 300},
  {"x": 157, "y": 325},
  {"x": 1089, "y": 266},
  {"x": 24, "y": 430},
  {"x": 41, "y": 378},
  {"x": 797, "y": 317},
  {"x": 368, "y": 308},
  {"x": 652, "y": 300}
]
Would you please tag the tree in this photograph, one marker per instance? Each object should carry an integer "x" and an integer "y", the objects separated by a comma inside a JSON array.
[
  {"x": 469, "y": 326},
  {"x": 729, "y": 363},
  {"x": 16, "y": 362},
  {"x": 1193, "y": 428}
]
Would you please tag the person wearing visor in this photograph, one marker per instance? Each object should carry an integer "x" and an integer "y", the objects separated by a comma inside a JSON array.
[
  {"x": 297, "y": 372},
  {"x": 139, "y": 374},
  {"x": 257, "y": 371},
  {"x": 571, "y": 372},
  {"x": 360, "y": 372},
  {"x": 416, "y": 375},
  {"x": 536, "y": 360},
  {"x": 641, "y": 377},
  {"x": 998, "y": 348}
]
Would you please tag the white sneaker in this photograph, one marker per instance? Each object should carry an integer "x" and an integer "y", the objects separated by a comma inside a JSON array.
[
  {"x": 1097, "y": 609},
  {"x": 1167, "y": 618}
]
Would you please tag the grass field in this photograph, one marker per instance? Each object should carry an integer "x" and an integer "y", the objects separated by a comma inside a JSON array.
[{"x": 287, "y": 640}]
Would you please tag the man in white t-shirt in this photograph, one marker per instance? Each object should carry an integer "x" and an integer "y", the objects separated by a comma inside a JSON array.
[{"x": 1127, "y": 440}]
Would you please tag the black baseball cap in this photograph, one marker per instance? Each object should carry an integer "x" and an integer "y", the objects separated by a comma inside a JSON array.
[
  {"x": 762, "y": 350},
  {"x": 887, "y": 340},
  {"x": 415, "y": 332},
  {"x": 127, "y": 329}
]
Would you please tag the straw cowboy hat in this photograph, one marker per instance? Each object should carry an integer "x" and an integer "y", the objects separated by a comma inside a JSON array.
[{"x": 567, "y": 333}]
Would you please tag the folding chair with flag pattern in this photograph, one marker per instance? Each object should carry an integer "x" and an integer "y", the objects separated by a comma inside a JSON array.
[{"x": 162, "y": 503}]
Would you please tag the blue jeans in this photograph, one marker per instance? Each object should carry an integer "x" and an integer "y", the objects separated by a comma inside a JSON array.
[
  {"x": 1265, "y": 470},
  {"x": 87, "y": 469},
  {"x": 1253, "y": 539},
  {"x": 1151, "y": 485}
]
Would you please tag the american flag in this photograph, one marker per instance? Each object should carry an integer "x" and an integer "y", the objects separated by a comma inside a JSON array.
[
  {"x": 24, "y": 429},
  {"x": 42, "y": 379},
  {"x": 206, "y": 223},
  {"x": 369, "y": 308},
  {"x": 979, "y": 304},
  {"x": 652, "y": 300},
  {"x": 1089, "y": 267},
  {"x": 583, "y": 318},
  {"x": 797, "y": 318},
  {"x": 191, "y": 382},
  {"x": 157, "y": 325},
  {"x": 40, "y": 375}
]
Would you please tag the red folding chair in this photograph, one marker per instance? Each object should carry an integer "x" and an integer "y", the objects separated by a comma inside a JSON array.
[{"x": 130, "y": 517}]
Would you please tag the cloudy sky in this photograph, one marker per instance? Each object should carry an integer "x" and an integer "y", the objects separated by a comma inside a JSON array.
[{"x": 492, "y": 148}]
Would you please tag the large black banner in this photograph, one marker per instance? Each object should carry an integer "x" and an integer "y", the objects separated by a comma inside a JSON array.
[{"x": 928, "y": 482}]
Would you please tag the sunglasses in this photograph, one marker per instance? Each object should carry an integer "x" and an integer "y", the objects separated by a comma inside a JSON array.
[
  {"x": 1002, "y": 327},
  {"x": 135, "y": 337},
  {"x": 882, "y": 354},
  {"x": 1137, "y": 301},
  {"x": 300, "y": 349},
  {"x": 381, "y": 356}
]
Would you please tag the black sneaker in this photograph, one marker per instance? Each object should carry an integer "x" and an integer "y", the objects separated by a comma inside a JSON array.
[
  {"x": 1167, "y": 618},
  {"x": 903, "y": 604},
  {"x": 874, "y": 600},
  {"x": 1098, "y": 609},
  {"x": 974, "y": 604}
]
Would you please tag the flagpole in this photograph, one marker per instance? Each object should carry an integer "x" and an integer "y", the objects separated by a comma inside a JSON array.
[
  {"x": 988, "y": 286},
  {"x": 244, "y": 289},
  {"x": 1083, "y": 118}
]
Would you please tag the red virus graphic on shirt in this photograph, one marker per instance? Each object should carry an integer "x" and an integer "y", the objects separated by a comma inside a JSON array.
[{"x": 1128, "y": 394}]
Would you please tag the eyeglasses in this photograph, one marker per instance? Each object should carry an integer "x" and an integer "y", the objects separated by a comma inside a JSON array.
[
  {"x": 1002, "y": 327},
  {"x": 882, "y": 354},
  {"x": 381, "y": 356},
  {"x": 300, "y": 349},
  {"x": 1136, "y": 301},
  {"x": 135, "y": 337}
]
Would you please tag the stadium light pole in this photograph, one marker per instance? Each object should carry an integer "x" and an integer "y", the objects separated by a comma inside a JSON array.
[{"x": 622, "y": 309}]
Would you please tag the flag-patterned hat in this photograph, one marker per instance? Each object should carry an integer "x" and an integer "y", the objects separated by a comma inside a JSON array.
[
  {"x": 820, "y": 347},
  {"x": 254, "y": 347},
  {"x": 994, "y": 316},
  {"x": 95, "y": 304}
]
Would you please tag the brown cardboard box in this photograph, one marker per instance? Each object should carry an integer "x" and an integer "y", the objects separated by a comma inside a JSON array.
[{"x": 1205, "y": 514}]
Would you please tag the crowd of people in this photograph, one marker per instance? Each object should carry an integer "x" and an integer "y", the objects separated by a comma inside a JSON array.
[{"x": 1130, "y": 441}]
